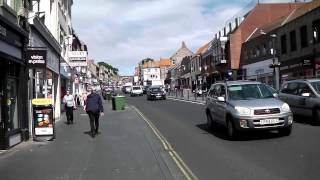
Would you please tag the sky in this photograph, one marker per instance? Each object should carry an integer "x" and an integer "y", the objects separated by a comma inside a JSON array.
[{"x": 123, "y": 32}]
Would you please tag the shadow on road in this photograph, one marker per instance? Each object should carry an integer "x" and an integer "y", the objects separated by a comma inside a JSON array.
[
  {"x": 221, "y": 132},
  {"x": 305, "y": 120}
]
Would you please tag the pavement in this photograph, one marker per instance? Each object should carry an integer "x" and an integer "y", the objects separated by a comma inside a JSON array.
[{"x": 128, "y": 147}]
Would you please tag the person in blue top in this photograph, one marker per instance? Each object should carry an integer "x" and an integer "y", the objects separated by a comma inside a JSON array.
[{"x": 94, "y": 108}]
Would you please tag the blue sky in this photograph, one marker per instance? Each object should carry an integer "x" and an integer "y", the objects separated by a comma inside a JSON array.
[{"x": 122, "y": 32}]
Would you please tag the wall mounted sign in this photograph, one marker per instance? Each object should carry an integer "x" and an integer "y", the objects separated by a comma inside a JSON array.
[
  {"x": 77, "y": 58},
  {"x": 36, "y": 58}
]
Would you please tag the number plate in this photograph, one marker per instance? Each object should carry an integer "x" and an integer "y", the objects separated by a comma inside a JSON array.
[
  {"x": 269, "y": 121},
  {"x": 158, "y": 96}
]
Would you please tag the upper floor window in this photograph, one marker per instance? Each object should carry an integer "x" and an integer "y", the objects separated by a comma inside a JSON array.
[
  {"x": 304, "y": 36},
  {"x": 293, "y": 41},
  {"x": 264, "y": 49},
  {"x": 316, "y": 31},
  {"x": 283, "y": 44}
]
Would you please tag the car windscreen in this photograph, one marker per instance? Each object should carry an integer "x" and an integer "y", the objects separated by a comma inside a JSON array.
[
  {"x": 316, "y": 86},
  {"x": 136, "y": 88},
  {"x": 249, "y": 91},
  {"x": 155, "y": 89}
]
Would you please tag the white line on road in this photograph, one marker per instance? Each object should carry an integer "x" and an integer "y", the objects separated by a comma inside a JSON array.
[
  {"x": 200, "y": 103},
  {"x": 173, "y": 154}
]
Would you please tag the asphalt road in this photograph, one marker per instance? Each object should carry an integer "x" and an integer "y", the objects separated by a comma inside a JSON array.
[{"x": 210, "y": 155}]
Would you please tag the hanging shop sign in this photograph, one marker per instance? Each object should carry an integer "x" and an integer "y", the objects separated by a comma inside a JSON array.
[
  {"x": 77, "y": 58},
  {"x": 36, "y": 58}
]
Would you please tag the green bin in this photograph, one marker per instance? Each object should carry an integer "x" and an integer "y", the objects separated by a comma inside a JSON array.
[{"x": 118, "y": 103}]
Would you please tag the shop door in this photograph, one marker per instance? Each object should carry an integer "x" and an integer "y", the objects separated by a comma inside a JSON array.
[{"x": 2, "y": 105}]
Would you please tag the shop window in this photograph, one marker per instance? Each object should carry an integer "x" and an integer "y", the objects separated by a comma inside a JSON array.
[
  {"x": 12, "y": 103},
  {"x": 283, "y": 44},
  {"x": 257, "y": 51},
  {"x": 304, "y": 36},
  {"x": 316, "y": 31},
  {"x": 293, "y": 41}
]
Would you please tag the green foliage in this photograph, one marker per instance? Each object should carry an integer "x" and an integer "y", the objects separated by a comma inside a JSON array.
[{"x": 108, "y": 66}]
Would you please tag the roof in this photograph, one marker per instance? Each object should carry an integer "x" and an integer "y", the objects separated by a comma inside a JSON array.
[
  {"x": 303, "y": 10},
  {"x": 165, "y": 62},
  {"x": 242, "y": 82},
  {"x": 299, "y": 10},
  {"x": 202, "y": 49},
  {"x": 152, "y": 64}
]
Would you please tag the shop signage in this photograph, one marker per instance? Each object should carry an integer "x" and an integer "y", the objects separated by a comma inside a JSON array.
[
  {"x": 42, "y": 101},
  {"x": 77, "y": 58},
  {"x": 36, "y": 58},
  {"x": 306, "y": 62}
]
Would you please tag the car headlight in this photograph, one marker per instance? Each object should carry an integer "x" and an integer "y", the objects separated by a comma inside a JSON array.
[
  {"x": 243, "y": 111},
  {"x": 285, "y": 107}
]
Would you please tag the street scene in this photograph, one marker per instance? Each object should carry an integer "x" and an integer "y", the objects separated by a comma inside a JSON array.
[{"x": 161, "y": 89}]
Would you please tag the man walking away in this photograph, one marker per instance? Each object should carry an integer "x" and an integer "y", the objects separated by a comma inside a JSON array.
[
  {"x": 68, "y": 100},
  {"x": 94, "y": 108}
]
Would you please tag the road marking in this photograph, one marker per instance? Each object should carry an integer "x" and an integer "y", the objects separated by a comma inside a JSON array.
[
  {"x": 200, "y": 103},
  {"x": 173, "y": 154}
]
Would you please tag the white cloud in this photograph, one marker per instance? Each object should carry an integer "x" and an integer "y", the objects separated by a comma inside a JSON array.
[{"x": 123, "y": 32}]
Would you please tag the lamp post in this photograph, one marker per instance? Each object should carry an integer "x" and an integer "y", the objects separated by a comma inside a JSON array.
[{"x": 275, "y": 64}]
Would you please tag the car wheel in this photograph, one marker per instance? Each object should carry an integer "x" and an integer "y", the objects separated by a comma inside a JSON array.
[
  {"x": 232, "y": 132},
  {"x": 210, "y": 123},
  {"x": 285, "y": 131},
  {"x": 317, "y": 115}
]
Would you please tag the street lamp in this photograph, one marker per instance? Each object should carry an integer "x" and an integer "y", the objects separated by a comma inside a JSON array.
[{"x": 274, "y": 64}]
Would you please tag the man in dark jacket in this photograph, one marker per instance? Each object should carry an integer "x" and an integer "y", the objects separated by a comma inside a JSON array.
[{"x": 94, "y": 108}]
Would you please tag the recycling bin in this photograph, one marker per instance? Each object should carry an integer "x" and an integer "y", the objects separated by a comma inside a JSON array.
[
  {"x": 43, "y": 122},
  {"x": 118, "y": 103}
]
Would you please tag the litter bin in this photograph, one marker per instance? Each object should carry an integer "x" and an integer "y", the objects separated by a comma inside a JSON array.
[
  {"x": 118, "y": 103},
  {"x": 43, "y": 120}
]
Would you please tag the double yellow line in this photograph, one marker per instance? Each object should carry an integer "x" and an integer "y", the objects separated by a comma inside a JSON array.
[{"x": 173, "y": 154}]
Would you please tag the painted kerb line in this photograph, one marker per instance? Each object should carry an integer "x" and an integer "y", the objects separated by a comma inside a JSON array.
[{"x": 174, "y": 155}]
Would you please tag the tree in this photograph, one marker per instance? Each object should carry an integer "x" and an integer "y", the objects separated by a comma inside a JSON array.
[{"x": 108, "y": 66}]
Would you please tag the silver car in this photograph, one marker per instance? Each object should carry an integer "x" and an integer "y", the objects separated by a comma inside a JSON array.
[
  {"x": 303, "y": 97},
  {"x": 246, "y": 105}
]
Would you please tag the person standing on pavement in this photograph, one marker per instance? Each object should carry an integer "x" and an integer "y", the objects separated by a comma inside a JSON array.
[
  {"x": 94, "y": 108},
  {"x": 70, "y": 104}
]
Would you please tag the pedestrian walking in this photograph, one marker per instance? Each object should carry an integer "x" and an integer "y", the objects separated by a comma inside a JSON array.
[
  {"x": 70, "y": 104},
  {"x": 94, "y": 108}
]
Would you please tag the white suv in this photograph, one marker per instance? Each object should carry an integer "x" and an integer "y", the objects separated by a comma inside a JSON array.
[{"x": 136, "y": 90}]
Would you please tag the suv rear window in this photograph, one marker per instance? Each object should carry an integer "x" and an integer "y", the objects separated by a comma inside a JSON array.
[
  {"x": 136, "y": 88},
  {"x": 248, "y": 91}
]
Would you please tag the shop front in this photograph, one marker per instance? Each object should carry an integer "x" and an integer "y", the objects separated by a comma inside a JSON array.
[
  {"x": 297, "y": 69},
  {"x": 43, "y": 56},
  {"x": 13, "y": 78},
  {"x": 260, "y": 71},
  {"x": 65, "y": 79}
]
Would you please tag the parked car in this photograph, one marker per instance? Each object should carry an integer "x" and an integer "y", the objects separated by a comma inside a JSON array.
[
  {"x": 156, "y": 93},
  {"x": 246, "y": 106},
  {"x": 136, "y": 90},
  {"x": 303, "y": 97}
]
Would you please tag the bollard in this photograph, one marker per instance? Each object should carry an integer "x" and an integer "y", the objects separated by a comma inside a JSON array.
[
  {"x": 202, "y": 97},
  {"x": 188, "y": 95}
]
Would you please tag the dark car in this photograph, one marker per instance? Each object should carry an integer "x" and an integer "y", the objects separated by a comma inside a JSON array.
[
  {"x": 155, "y": 93},
  {"x": 107, "y": 92},
  {"x": 303, "y": 96}
]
